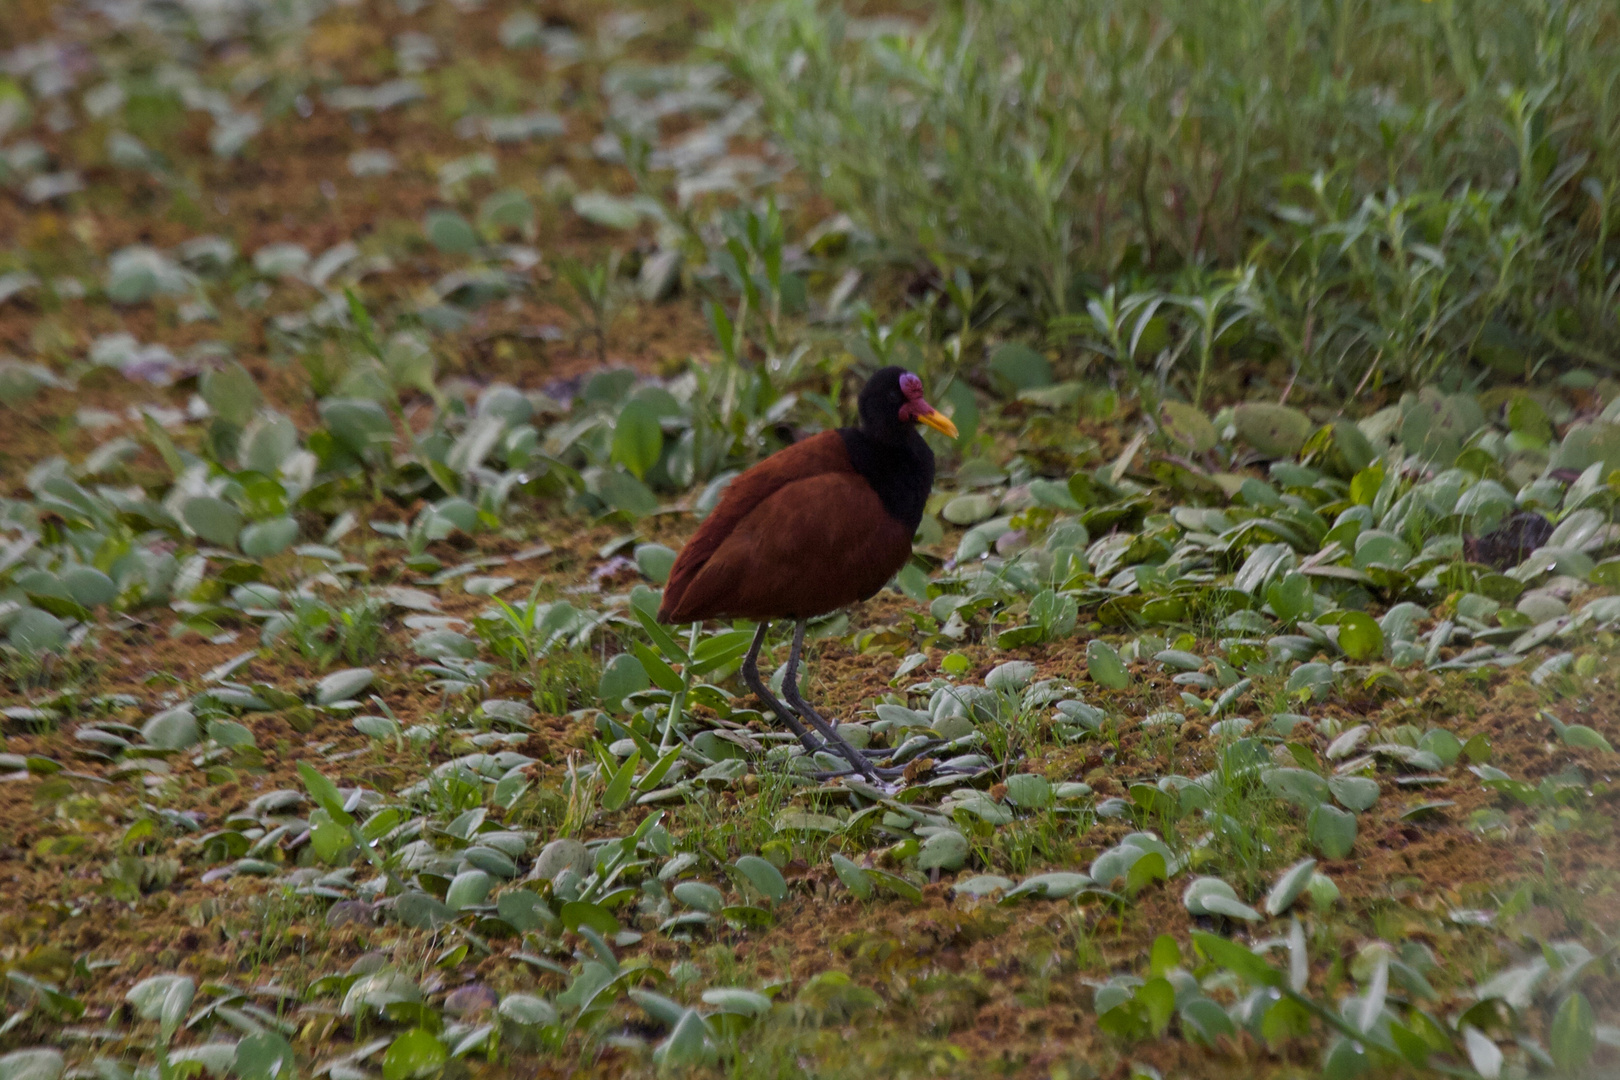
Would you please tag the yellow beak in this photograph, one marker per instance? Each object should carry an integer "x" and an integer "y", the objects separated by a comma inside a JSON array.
[{"x": 939, "y": 422}]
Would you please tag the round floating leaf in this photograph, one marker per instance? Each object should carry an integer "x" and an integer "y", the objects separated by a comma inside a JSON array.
[
  {"x": 638, "y": 438},
  {"x": 855, "y": 879},
  {"x": 1434, "y": 426},
  {"x": 508, "y": 209},
  {"x": 1029, "y": 791},
  {"x": 1360, "y": 637},
  {"x": 416, "y": 1053},
  {"x": 135, "y": 274},
  {"x": 1585, "y": 738},
  {"x": 982, "y": 885},
  {"x": 1483, "y": 1054},
  {"x": 449, "y": 232},
  {"x": 1010, "y": 677},
  {"x": 527, "y": 1010},
  {"x": 685, "y": 1045},
  {"x": 1188, "y": 425},
  {"x": 437, "y": 644},
  {"x": 468, "y": 888},
  {"x": 1587, "y": 444},
  {"x": 264, "y": 1055},
  {"x": 266, "y": 442},
  {"x": 1105, "y": 666},
  {"x": 1290, "y": 597},
  {"x": 1353, "y": 443},
  {"x": 360, "y": 425},
  {"x": 1277, "y": 431},
  {"x": 1114, "y": 864},
  {"x": 1015, "y": 366},
  {"x": 281, "y": 260},
  {"x": 559, "y": 855},
  {"x": 264, "y": 539},
  {"x": 148, "y": 996},
  {"x": 608, "y": 211},
  {"x": 524, "y": 910},
  {"x": 421, "y": 911},
  {"x": 89, "y": 586},
  {"x": 19, "y": 382},
  {"x": 343, "y": 685},
  {"x": 491, "y": 861},
  {"x": 230, "y": 733},
  {"x": 1058, "y": 885},
  {"x": 969, "y": 509},
  {"x": 945, "y": 850},
  {"x": 1230, "y": 908},
  {"x": 1290, "y": 887},
  {"x": 212, "y": 519},
  {"x": 1574, "y": 1033},
  {"x": 655, "y": 561},
  {"x": 34, "y": 631},
  {"x": 1301, "y": 787},
  {"x": 232, "y": 393},
  {"x": 764, "y": 877},
  {"x": 376, "y": 727},
  {"x": 172, "y": 729},
  {"x": 1324, "y": 894},
  {"x": 624, "y": 492},
  {"x": 622, "y": 676},
  {"x": 699, "y": 896},
  {"x": 1201, "y": 890},
  {"x": 1357, "y": 793},
  {"x": 1313, "y": 680},
  {"x": 737, "y": 1001},
  {"x": 578, "y": 913},
  {"x": 1332, "y": 830}
]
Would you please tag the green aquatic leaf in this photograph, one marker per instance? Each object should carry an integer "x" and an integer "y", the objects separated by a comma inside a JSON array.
[
  {"x": 855, "y": 879},
  {"x": 1277, "y": 431},
  {"x": 621, "y": 676},
  {"x": 1585, "y": 738},
  {"x": 1187, "y": 424},
  {"x": 33, "y": 631},
  {"x": 1573, "y": 1036},
  {"x": 764, "y": 877},
  {"x": 1016, "y": 366},
  {"x": 449, "y": 232},
  {"x": 414, "y": 1054},
  {"x": 1360, "y": 636},
  {"x": 1290, "y": 887},
  {"x": 1332, "y": 830},
  {"x": 1105, "y": 666},
  {"x": 212, "y": 519}
]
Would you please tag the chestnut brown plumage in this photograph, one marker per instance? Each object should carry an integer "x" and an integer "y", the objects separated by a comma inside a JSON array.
[{"x": 813, "y": 528}]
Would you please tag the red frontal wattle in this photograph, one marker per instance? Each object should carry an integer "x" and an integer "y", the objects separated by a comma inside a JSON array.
[{"x": 915, "y": 406}]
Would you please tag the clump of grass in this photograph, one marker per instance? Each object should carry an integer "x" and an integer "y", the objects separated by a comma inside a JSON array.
[
  {"x": 1370, "y": 194},
  {"x": 322, "y": 633}
]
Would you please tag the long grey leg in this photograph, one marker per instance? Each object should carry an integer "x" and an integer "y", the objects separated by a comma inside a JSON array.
[
  {"x": 750, "y": 674},
  {"x": 835, "y": 741}
]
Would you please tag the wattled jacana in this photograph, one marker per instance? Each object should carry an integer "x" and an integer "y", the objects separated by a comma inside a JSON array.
[{"x": 813, "y": 528}]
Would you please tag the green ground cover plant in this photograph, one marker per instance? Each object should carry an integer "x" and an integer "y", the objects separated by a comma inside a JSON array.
[{"x": 366, "y": 364}]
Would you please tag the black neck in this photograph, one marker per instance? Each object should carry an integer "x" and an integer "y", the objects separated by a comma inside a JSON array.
[{"x": 901, "y": 472}]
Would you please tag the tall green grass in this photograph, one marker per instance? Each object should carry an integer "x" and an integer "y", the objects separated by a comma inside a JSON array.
[{"x": 1395, "y": 191}]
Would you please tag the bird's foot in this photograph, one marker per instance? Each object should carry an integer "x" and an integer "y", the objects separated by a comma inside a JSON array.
[
  {"x": 872, "y": 753},
  {"x": 911, "y": 771}
]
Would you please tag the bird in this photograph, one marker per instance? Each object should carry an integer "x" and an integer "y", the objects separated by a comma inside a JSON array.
[{"x": 814, "y": 527}]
